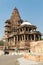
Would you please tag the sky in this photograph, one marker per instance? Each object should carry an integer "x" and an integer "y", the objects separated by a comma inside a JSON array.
[{"x": 30, "y": 10}]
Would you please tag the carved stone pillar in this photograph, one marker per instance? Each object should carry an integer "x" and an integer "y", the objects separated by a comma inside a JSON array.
[
  {"x": 27, "y": 37},
  {"x": 31, "y": 37},
  {"x": 24, "y": 37},
  {"x": 19, "y": 30},
  {"x": 38, "y": 37},
  {"x": 17, "y": 38},
  {"x": 34, "y": 37},
  {"x": 24, "y": 29},
  {"x": 14, "y": 39}
]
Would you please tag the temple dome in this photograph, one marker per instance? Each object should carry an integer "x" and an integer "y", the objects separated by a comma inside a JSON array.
[{"x": 26, "y": 23}]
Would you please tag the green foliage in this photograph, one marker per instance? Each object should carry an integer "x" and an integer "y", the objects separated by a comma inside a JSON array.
[
  {"x": 42, "y": 39},
  {"x": 1, "y": 43}
]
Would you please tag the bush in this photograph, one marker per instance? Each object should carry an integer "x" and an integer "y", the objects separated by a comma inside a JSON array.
[{"x": 1, "y": 43}]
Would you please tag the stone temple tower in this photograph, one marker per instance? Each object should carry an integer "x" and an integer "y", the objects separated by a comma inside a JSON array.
[
  {"x": 19, "y": 33},
  {"x": 15, "y": 19},
  {"x": 12, "y": 24}
]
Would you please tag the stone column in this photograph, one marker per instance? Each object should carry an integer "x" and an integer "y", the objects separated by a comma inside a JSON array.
[
  {"x": 24, "y": 29},
  {"x": 31, "y": 37},
  {"x": 17, "y": 38},
  {"x": 14, "y": 39},
  {"x": 34, "y": 37},
  {"x": 24, "y": 37},
  {"x": 19, "y": 30},
  {"x": 27, "y": 37},
  {"x": 38, "y": 37}
]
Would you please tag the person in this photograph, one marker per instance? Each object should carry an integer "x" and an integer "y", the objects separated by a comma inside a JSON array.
[
  {"x": 16, "y": 49},
  {"x": 29, "y": 50},
  {"x": 6, "y": 51}
]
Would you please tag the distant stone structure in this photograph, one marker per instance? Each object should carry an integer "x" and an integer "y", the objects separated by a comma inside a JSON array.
[{"x": 19, "y": 33}]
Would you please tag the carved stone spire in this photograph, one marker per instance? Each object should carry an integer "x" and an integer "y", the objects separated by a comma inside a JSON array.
[{"x": 15, "y": 17}]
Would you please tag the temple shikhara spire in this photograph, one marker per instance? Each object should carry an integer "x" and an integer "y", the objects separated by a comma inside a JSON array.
[
  {"x": 15, "y": 16},
  {"x": 19, "y": 33}
]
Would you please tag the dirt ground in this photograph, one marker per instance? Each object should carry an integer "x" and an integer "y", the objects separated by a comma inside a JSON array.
[{"x": 9, "y": 60}]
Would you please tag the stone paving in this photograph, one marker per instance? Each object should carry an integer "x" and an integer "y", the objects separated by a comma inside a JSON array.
[
  {"x": 9, "y": 60},
  {"x": 16, "y": 59},
  {"x": 23, "y": 61}
]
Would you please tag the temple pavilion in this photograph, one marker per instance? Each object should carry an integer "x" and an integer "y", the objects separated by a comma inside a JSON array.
[{"x": 19, "y": 33}]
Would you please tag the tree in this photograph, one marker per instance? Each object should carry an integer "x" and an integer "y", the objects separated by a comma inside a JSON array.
[{"x": 1, "y": 43}]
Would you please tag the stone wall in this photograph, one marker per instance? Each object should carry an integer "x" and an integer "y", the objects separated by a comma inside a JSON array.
[
  {"x": 33, "y": 57},
  {"x": 36, "y": 47}
]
